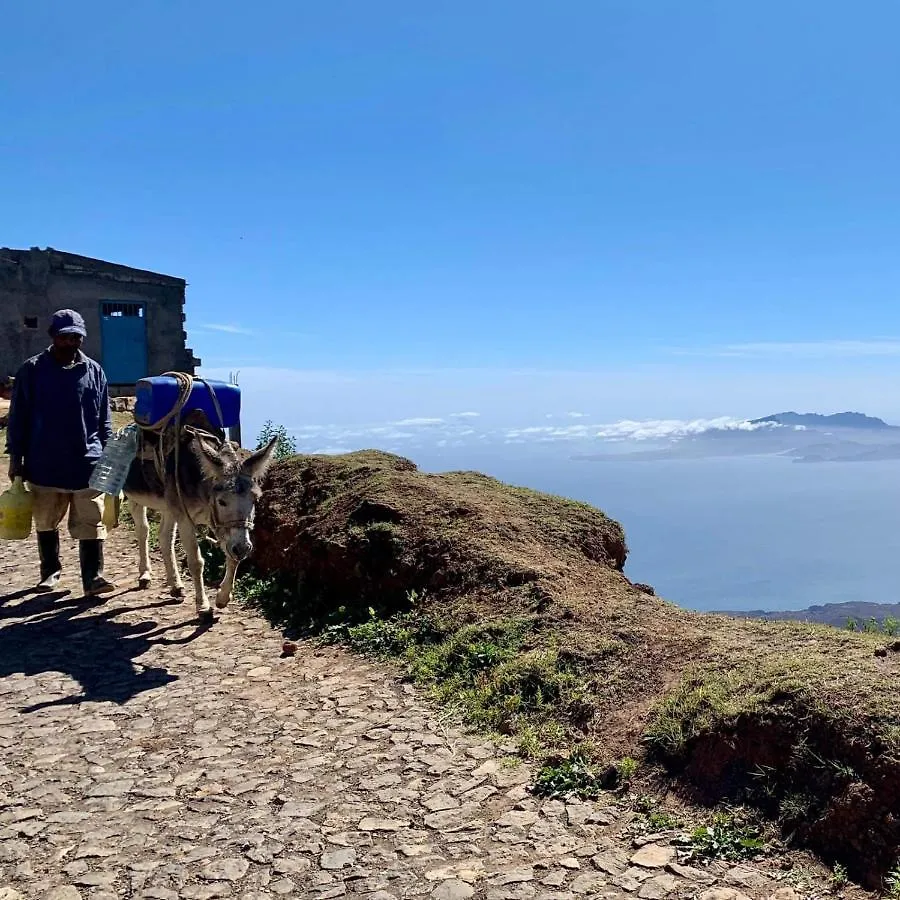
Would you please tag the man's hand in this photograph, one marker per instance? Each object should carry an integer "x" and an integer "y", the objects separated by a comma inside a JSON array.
[{"x": 16, "y": 469}]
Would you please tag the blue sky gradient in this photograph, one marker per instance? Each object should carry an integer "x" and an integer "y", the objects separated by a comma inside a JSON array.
[{"x": 637, "y": 209}]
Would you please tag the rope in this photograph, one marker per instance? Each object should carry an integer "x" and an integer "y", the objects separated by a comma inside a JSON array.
[
  {"x": 170, "y": 424},
  {"x": 185, "y": 386}
]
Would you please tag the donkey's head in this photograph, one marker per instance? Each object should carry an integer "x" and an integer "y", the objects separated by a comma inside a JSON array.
[{"x": 232, "y": 478}]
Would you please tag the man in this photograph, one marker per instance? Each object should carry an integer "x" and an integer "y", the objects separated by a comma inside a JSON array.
[{"x": 59, "y": 423}]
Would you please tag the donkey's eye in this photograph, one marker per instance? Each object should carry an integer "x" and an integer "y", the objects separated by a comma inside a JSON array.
[{"x": 221, "y": 502}]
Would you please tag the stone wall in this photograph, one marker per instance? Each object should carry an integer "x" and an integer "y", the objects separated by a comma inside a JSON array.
[
  {"x": 34, "y": 283},
  {"x": 122, "y": 404}
]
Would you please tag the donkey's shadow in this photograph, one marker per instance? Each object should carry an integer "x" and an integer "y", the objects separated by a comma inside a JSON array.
[{"x": 81, "y": 638}]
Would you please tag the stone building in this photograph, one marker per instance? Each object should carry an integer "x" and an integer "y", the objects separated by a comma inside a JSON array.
[{"x": 135, "y": 319}]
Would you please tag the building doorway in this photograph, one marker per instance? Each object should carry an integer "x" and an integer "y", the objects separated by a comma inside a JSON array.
[{"x": 123, "y": 331}]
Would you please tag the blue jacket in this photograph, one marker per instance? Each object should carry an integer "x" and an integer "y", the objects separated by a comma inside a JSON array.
[{"x": 59, "y": 420}]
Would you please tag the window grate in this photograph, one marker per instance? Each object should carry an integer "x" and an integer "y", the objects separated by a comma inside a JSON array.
[{"x": 111, "y": 310}]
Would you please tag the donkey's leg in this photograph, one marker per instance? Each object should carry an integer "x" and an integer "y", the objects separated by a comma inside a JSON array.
[
  {"x": 195, "y": 564},
  {"x": 226, "y": 588},
  {"x": 167, "y": 544},
  {"x": 142, "y": 531}
]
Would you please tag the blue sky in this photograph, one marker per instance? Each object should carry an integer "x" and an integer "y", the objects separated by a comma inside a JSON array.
[{"x": 637, "y": 208}]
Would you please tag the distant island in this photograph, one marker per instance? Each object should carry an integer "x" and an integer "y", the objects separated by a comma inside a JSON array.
[
  {"x": 818, "y": 421},
  {"x": 801, "y": 437}
]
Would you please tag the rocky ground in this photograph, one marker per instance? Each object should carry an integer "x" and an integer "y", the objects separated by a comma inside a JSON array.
[{"x": 142, "y": 757}]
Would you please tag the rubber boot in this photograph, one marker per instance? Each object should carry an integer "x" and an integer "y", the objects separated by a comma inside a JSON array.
[
  {"x": 51, "y": 567},
  {"x": 90, "y": 554}
]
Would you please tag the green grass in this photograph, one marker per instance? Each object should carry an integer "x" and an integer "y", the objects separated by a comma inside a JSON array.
[
  {"x": 727, "y": 836},
  {"x": 653, "y": 820},
  {"x": 626, "y": 769},
  {"x": 714, "y": 700},
  {"x": 793, "y": 705},
  {"x": 697, "y": 706},
  {"x": 575, "y": 774},
  {"x": 892, "y": 883},
  {"x": 661, "y": 821},
  {"x": 839, "y": 878},
  {"x": 497, "y": 675}
]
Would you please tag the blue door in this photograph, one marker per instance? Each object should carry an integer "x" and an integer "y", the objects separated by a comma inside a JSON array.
[{"x": 123, "y": 334}]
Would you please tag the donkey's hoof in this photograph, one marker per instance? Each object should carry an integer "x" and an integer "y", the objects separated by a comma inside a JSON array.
[
  {"x": 205, "y": 616},
  {"x": 222, "y": 600},
  {"x": 144, "y": 583},
  {"x": 177, "y": 592}
]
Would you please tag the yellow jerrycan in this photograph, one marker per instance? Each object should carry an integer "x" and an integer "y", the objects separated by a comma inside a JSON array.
[
  {"x": 111, "y": 508},
  {"x": 15, "y": 512}
]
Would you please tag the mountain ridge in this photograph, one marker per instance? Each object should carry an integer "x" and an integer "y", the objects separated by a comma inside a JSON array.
[
  {"x": 856, "y": 420},
  {"x": 835, "y": 614}
]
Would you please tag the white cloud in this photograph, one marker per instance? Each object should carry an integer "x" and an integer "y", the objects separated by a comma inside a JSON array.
[
  {"x": 550, "y": 432},
  {"x": 223, "y": 328},
  {"x": 465, "y": 415},
  {"x": 398, "y": 435},
  {"x": 331, "y": 451},
  {"x": 419, "y": 422},
  {"x": 577, "y": 415},
  {"x": 672, "y": 429},
  {"x": 805, "y": 349},
  {"x": 633, "y": 430}
]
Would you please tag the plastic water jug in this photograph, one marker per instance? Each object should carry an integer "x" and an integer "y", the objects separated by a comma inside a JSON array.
[
  {"x": 156, "y": 397},
  {"x": 112, "y": 468},
  {"x": 15, "y": 512},
  {"x": 111, "y": 509}
]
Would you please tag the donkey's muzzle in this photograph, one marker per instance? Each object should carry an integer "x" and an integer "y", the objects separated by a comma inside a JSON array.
[{"x": 240, "y": 549}]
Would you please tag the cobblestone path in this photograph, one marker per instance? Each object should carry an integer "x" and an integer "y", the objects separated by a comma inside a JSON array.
[{"x": 141, "y": 757}]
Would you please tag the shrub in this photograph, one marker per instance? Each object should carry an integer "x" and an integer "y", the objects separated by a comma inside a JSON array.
[{"x": 287, "y": 443}]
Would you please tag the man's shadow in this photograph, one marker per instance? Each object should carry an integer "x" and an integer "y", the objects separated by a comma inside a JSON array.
[{"x": 81, "y": 637}]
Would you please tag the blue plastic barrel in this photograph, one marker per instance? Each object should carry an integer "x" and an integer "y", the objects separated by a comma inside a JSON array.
[{"x": 156, "y": 397}]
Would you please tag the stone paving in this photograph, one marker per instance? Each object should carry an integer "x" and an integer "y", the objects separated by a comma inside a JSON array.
[{"x": 143, "y": 757}]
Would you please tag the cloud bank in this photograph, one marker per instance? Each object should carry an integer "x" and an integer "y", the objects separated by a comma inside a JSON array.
[{"x": 443, "y": 432}]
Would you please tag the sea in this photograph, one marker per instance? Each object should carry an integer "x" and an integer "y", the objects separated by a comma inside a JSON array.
[{"x": 740, "y": 533}]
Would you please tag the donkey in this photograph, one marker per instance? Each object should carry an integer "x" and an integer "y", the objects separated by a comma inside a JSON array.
[{"x": 217, "y": 485}]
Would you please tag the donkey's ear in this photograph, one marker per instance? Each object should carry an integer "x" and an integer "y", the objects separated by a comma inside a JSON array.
[
  {"x": 209, "y": 457},
  {"x": 258, "y": 463}
]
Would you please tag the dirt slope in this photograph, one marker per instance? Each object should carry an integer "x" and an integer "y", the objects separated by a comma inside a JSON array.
[{"x": 802, "y": 721}]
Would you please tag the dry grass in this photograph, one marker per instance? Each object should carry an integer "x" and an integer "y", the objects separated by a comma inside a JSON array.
[{"x": 786, "y": 716}]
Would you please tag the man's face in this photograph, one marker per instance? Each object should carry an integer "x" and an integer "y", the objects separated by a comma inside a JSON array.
[{"x": 66, "y": 347}]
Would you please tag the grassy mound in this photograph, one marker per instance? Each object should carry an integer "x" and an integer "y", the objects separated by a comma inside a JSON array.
[{"x": 513, "y": 606}]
